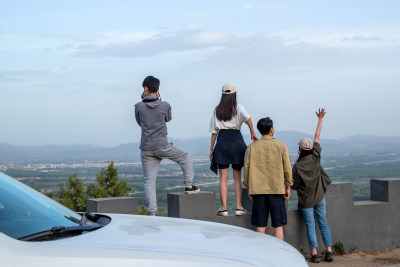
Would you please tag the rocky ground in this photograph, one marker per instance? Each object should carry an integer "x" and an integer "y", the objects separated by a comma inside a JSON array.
[{"x": 388, "y": 258}]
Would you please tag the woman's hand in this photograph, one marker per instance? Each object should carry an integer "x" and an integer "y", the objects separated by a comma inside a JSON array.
[
  {"x": 211, "y": 152},
  {"x": 252, "y": 133},
  {"x": 320, "y": 113},
  {"x": 253, "y": 136}
]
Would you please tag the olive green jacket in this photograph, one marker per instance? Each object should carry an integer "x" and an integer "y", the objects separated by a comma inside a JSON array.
[{"x": 310, "y": 179}]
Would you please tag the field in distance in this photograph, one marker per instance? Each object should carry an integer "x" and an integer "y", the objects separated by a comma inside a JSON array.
[{"x": 358, "y": 169}]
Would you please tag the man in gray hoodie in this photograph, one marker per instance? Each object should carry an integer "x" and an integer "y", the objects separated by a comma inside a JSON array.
[{"x": 152, "y": 114}]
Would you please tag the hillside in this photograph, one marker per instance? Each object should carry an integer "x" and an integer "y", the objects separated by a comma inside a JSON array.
[{"x": 353, "y": 145}]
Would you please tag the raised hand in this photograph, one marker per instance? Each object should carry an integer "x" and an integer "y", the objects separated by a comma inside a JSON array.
[{"x": 321, "y": 113}]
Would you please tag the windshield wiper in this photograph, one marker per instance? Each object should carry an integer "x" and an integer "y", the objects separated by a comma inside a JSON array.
[
  {"x": 87, "y": 217},
  {"x": 60, "y": 231}
]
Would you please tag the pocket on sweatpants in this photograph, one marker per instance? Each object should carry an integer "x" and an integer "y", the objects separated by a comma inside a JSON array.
[{"x": 166, "y": 148}]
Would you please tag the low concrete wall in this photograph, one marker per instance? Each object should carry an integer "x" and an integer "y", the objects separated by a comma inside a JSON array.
[
  {"x": 365, "y": 225},
  {"x": 122, "y": 205}
]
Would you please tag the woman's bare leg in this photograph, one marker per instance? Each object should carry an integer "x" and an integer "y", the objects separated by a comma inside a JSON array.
[
  {"x": 223, "y": 187},
  {"x": 237, "y": 176}
]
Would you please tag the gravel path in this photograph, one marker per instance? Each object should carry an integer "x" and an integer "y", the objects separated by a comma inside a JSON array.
[{"x": 388, "y": 258}]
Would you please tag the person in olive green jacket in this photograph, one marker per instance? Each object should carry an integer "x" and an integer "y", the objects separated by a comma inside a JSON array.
[
  {"x": 267, "y": 177},
  {"x": 311, "y": 183}
]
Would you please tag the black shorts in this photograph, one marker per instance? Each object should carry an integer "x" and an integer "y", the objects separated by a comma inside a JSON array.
[
  {"x": 268, "y": 204},
  {"x": 237, "y": 167}
]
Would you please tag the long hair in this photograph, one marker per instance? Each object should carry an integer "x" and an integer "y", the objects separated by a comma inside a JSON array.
[
  {"x": 302, "y": 153},
  {"x": 226, "y": 108}
]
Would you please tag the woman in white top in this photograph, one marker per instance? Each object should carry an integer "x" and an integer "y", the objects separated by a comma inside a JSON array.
[{"x": 225, "y": 127}]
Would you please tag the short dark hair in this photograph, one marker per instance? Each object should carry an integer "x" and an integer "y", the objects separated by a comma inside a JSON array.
[
  {"x": 152, "y": 83},
  {"x": 264, "y": 125}
]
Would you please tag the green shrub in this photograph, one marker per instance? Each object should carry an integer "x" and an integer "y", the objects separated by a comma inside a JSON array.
[
  {"x": 74, "y": 196},
  {"x": 339, "y": 248},
  {"x": 142, "y": 211}
]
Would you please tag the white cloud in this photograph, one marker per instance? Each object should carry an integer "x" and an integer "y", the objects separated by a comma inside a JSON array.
[
  {"x": 293, "y": 51},
  {"x": 335, "y": 38},
  {"x": 359, "y": 38},
  {"x": 191, "y": 38}
]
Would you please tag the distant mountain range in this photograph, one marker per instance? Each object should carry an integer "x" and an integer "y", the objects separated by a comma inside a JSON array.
[{"x": 358, "y": 144}]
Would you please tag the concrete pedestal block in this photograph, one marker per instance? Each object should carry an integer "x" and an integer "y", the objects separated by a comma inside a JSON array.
[
  {"x": 121, "y": 205},
  {"x": 379, "y": 190},
  {"x": 386, "y": 189},
  {"x": 192, "y": 206}
]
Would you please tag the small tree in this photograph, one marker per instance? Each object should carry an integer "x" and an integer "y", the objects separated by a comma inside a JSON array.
[
  {"x": 109, "y": 185},
  {"x": 143, "y": 211},
  {"x": 73, "y": 195}
]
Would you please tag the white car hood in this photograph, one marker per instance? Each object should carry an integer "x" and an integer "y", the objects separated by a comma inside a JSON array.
[{"x": 151, "y": 241}]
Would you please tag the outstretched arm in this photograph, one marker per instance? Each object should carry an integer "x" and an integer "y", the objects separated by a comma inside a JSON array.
[
  {"x": 252, "y": 133},
  {"x": 320, "y": 114}
]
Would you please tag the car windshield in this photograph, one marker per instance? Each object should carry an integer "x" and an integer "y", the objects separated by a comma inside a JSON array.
[{"x": 25, "y": 211}]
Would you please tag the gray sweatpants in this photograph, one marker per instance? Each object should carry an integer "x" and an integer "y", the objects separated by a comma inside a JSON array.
[{"x": 151, "y": 161}]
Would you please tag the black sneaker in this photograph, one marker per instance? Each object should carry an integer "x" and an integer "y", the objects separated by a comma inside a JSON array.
[
  {"x": 192, "y": 190},
  {"x": 328, "y": 256},
  {"x": 315, "y": 258}
]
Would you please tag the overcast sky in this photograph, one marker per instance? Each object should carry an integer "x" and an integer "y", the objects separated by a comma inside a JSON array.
[{"x": 71, "y": 71}]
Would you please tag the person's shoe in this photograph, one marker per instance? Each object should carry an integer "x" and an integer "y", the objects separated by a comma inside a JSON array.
[
  {"x": 192, "y": 190},
  {"x": 328, "y": 256},
  {"x": 221, "y": 212},
  {"x": 315, "y": 258},
  {"x": 240, "y": 211}
]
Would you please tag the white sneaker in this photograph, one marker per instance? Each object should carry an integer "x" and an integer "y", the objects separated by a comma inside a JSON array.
[
  {"x": 221, "y": 212},
  {"x": 240, "y": 211}
]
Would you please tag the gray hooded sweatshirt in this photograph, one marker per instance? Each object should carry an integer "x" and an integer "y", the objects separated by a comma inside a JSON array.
[{"x": 152, "y": 117}]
